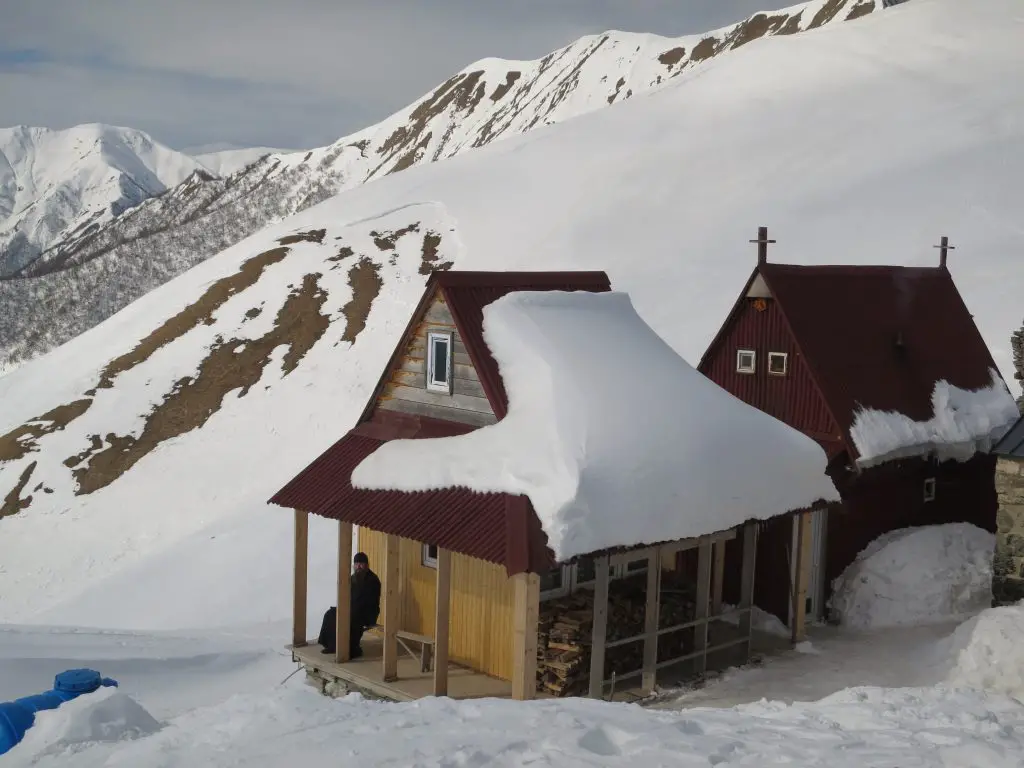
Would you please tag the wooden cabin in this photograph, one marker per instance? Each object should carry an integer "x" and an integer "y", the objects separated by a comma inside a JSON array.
[
  {"x": 474, "y": 603},
  {"x": 813, "y": 346}
]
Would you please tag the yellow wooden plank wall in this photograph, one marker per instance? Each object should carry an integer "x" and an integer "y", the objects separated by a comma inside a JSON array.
[{"x": 481, "y": 612}]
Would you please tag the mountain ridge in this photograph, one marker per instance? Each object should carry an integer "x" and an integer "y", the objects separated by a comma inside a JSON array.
[{"x": 71, "y": 287}]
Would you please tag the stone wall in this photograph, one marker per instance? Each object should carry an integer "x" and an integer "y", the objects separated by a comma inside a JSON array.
[{"x": 1008, "y": 564}]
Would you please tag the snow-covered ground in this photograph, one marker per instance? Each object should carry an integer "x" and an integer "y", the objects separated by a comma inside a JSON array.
[{"x": 898, "y": 697}]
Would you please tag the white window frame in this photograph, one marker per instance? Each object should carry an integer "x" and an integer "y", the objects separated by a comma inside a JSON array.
[
  {"x": 447, "y": 338},
  {"x": 428, "y": 560},
  {"x": 753, "y": 361},
  {"x": 929, "y": 489},
  {"x": 785, "y": 363}
]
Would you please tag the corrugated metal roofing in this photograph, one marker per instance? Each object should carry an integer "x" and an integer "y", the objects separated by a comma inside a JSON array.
[
  {"x": 1012, "y": 444},
  {"x": 491, "y": 526},
  {"x": 877, "y": 336}
]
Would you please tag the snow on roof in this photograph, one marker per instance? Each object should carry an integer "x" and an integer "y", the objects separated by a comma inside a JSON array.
[
  {"x": 964, "y": 423},
  {"x": 616, "y": 439}
]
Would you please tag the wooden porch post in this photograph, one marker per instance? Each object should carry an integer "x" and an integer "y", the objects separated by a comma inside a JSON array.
[
  {"x": 343, "y": 623},
  {"x": 747, "y": 580},
  {"x": 392, "y": 575},
  {"x": 718, "y": 578},
  {"x": 802, "y": 573},
  {"x": 651, "y": 618},
  {"x": 600, "y": 627},
  {"x": 299, "y": 594},
  {"x": 526, "y": 617},
  {"x": 700, "y": 632},
  {"x": 441, "y": 615}
]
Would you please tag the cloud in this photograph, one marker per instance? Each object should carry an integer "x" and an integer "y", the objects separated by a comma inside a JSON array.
[{"x": 295, "y": 74}]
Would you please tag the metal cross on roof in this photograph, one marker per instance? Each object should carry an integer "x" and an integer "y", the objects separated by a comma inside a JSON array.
[
  {"x": 944, "y": 249},
  {"x": 762, "y": 244}
]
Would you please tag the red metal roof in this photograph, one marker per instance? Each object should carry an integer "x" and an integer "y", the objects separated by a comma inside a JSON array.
[
  {"x": 491, "y": 526},
  {"x": 877, "y": 336}
]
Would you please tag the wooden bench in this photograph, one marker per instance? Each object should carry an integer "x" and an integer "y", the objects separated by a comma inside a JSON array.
[{"x": 426, "y": 654}]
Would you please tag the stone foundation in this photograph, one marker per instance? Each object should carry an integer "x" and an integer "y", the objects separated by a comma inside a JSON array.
[{"x": 1008, "y": 562}]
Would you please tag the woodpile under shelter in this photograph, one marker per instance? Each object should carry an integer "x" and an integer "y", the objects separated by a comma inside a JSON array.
[
  {"x": 528, "y": 511},
  {"x": 885, "y": 368}
]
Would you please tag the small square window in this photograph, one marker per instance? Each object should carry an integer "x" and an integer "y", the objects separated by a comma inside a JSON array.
[
  {"x": 746, "y": 361},
  {"x": 430, "y": 555},
  {"x": 777, "y": 363},
  {"x": 439, "y": 362},
  {"x": 929, "y": 489}
]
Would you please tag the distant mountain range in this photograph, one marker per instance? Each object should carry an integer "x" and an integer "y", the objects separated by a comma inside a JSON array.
[{"x": 115, "y": 249}]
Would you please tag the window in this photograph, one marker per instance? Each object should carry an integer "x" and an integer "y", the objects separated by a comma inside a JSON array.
[
  {"x": 777, "y": 363},
  {"x": 430, "y": 555},
  {"x": 439, "y": 362},
  {"x": 929, "y": 489},
  {"x": 745, "y": 361}
]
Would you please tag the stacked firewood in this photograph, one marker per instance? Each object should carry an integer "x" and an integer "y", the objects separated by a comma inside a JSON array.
[
  {"x": 563, "y": 644},
  {"x": 565, "y": 631}
]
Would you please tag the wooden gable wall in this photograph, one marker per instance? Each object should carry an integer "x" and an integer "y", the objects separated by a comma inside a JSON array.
[
  {"x": 793, "y": 398},
  {"x": 406, "y": 388}
]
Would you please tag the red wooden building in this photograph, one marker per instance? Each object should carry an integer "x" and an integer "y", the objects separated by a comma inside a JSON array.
[{"x": 811, "y": 345}]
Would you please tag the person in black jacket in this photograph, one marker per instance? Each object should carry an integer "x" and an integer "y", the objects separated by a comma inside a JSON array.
[{"x": 363, "y": 612}]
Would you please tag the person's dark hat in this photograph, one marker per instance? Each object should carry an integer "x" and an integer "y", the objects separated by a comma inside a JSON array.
[{"x": 361, "y": 558}]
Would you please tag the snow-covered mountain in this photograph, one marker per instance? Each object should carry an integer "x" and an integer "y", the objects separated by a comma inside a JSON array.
[
  {"x": 82, "y": 280},
  {"x": 223, "y": 159},
  {"x": 154, "y": 439},
  {"x": 58, "y": 185}
]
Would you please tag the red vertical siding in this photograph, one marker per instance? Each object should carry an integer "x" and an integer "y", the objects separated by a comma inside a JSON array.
[{"x": 792, "y": 398}]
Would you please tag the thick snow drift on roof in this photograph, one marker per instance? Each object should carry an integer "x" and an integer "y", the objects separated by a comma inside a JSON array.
[
  {"x": 965, "y": 422},
  {"x": 916, "y": 576},
  {"x": 613, "y": 436}
]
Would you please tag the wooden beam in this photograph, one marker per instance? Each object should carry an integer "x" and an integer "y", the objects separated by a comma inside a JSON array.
[
  {"x": 343, "y": 623},
  {"x": 718, "y": 578},
  {"x": 651, "y": 619},
  {"x": 802, "y": 572},
  {"x": 526, "y": 618},
  {"x": 442, "y": 612},
  {"x": 599, "y": 627},
  {"x": 392, "y": 595},
  {"x": 700, "y": 632},
  {"x": 299, "y": 594},
  {"x": 750, "y": 531}
]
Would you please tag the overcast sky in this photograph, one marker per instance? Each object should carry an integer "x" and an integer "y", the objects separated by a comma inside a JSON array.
[{"x": 293, "y": 74}]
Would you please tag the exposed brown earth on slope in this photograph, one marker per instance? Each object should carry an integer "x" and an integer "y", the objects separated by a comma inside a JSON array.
[
  {"x": 364, "y": 277},
  {"x": 501, "y": 90},
  {"x": 672, "y": 57},
  {"x": 861, "y": 9},
  {"x": 618, "y": 87},
  {"x": 756, "y": 26},
  {"x": 827, "y": 13},
  {"x": 13, "y": 503},
  {"x": 387, "y": 241},
  {"x": 24, "y": 439},
  {"x": 312, "y": 236},
  {"x": 705, "y": 49},
  {"x": 236, "y": 364},
  {"x": 190, "y": 317},
  {"x": 430, "y": 260}
]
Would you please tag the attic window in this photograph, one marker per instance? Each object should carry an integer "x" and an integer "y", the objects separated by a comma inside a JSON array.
[
  {"x": 746, "y": 361},
  {"x": 777, "y": 363},
  {"x": 430, "y": 555},
  {"x": 929, "y": 489},
  {"x": 439, "y": 362}
]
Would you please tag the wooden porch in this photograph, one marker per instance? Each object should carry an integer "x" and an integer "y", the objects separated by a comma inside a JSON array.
[{"x": 367, "y": 674}]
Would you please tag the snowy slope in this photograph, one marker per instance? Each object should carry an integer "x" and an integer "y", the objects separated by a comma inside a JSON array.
[
  {"x": 123, "y": 464},
  {"x": 226, "y": 159},
  {"x": 56, "y": 184},
  {"x": 489, "y": 100}
]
